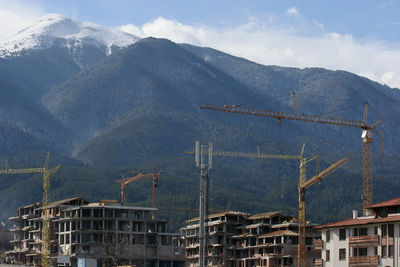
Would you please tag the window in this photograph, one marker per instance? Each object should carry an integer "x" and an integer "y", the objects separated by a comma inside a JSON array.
[
  {"x": 85, "y": 238},
  {"x": 391, "y": 251},
  {"x": 108, "y": 225},
  {"x": 328, "y": 255},
  {"x": 342, "y": 234},
  {"x": 384, "y": 254},
  {"x": 342, "y": 254},
  {"x": 109, "y": 213},
  {"x": 362, "y": 231},
  {"x": 86, "y": 225},
  {"x": 384, "y": 230},
  {"x": 355, "y": 232},
  {"x": 360, "y": 252},
  {"x": 73, "y": 238},
  {"x": 391, "y": 230},
  {"x": 86, "y": 213},
  {"x": 375, "y": 230},
  {"x": 328, "y": 236}
]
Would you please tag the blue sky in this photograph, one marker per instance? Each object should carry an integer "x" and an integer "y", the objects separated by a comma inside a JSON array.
[
  {"x": 358, "y": 36},
  {"x": 360, "y": 18}
]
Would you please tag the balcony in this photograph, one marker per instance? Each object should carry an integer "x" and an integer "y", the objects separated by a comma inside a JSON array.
[
  {"x": 387, "y": 241},
  {"x": 364, "y": 261},
  {"x": 318, "y": 244},
  {"x": 366, "y": 240},
  {"x": 318, "y": 262}
]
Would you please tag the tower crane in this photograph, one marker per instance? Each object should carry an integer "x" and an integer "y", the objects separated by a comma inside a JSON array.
[
  {"x": 126, "y": 181},
  {"x": 303, "y": 185},
  {"x": 47, "y": 173},
  {"x": 367, "y": 131}
]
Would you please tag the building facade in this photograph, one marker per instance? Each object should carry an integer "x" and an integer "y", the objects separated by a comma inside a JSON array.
[
  {"x": 372, "y": 240},
  {"x": 106, "y": 231},
  {"x": 220, "y": 229},
  {"x": 237, "y": 239}
]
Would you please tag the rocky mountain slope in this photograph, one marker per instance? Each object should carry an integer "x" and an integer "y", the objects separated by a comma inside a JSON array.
[{"x": 64, "y": 92}]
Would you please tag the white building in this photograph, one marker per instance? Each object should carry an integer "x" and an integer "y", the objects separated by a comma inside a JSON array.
[{"x": 363, "y": 241}]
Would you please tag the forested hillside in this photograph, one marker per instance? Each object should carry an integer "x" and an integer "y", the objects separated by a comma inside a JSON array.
[{"x": 141, "y": 105}]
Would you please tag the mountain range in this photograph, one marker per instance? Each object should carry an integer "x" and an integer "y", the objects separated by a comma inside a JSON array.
[{"x": 104, "y": 102}]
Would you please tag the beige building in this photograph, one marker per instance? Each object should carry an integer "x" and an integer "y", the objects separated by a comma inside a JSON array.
[
  {"x": 105, "y": 231},
  {"x": 372, "y": 240},
  {"x": 237, "y": 239}
]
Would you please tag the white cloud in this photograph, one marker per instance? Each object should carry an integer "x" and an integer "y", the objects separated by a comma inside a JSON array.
[
  {"x": 293, "y": 11},
  {"x": 132, "y": 29},
  {"x": 15, "y": 16},
  {"x": 319, "y": 24},
  {"x": 263, "y": 41},
  {"x": 273, "y": 45},
  {"x": 388, "y": 77}
]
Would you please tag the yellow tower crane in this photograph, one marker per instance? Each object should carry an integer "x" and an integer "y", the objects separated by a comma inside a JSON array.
[
  {"x": 47, "y": 173},
  {"x": 367, "y": 131},
  {"x": 303, "y": 185}
]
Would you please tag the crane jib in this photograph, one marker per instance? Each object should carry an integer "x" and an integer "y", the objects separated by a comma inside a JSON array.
[{"x": 287, "y": 115}]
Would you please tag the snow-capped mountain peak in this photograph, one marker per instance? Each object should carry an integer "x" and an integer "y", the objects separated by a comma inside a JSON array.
[{"x": 58, "y": 29}]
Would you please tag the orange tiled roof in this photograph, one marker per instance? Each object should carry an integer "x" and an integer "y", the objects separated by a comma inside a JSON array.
[
  {"x": 392, "y": 202},
  {"x": 360, "y": 221}
]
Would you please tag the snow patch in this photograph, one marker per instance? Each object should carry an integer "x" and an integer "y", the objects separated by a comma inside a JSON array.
[{"x": 43, "y": 33}]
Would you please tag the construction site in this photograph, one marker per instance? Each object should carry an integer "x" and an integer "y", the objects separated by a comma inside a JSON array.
[
  {"x": 75, "y": 232},
  {"x": 238, "y": 239},
  {"x": 106, "y": 233}
]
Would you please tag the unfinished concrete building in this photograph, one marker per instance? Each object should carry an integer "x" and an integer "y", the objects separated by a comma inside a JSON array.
[
  {"x": 105, "y": 231},
  {"x": 220, "y": 229},
  {"x": 238, "y": 239},
  {"x": 271, "y": 239}
]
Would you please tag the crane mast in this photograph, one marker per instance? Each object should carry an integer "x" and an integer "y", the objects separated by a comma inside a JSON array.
[
  {"x": 367, "y": 131},
  {"x": 47, "y": 173},
  {"x": 303, "y": 185}
]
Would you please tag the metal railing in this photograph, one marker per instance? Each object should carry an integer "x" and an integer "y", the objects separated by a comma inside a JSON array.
[
  {"x": 362, "y": 240},
  {"x": 362, "y": 260}
]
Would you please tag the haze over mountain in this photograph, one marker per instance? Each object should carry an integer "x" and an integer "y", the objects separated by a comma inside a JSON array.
[{"x": 114, "y": 102}]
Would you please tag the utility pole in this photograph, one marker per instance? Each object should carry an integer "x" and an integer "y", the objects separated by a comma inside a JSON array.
[
  {"x": 302, "y": 186},
  {"x": 204, "y": 166}
]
